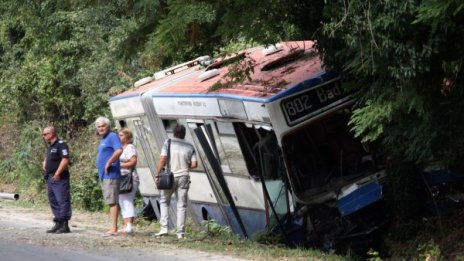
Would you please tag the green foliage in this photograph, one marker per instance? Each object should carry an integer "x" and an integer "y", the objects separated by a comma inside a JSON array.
[
  {"x": 213, "y": 229},
  {"x": 405, "y": 60},
  {"x": 85, "y": 187},
  {"x": 184, "y": 26},
  {"x": 86, "y": 193},
  {"x": 273, "y": 21},
  {"x": 373, "y": 255},
  {"x": 62, "y": 64},
  {"x": 193, "y": 28},
  {"x": 429, "y": 251},
  {"x": 60, "y": 61},
  {"x": 23, "y": 167}
]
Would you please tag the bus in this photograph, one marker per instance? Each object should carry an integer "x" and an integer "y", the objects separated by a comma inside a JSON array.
[{"x": 276, "y": 155}]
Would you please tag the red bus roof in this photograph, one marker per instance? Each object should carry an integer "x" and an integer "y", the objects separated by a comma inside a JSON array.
[{"x": 289, "y": 64}]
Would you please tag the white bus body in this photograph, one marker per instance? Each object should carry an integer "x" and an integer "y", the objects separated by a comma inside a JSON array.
[{"x": 275, "y": 150}]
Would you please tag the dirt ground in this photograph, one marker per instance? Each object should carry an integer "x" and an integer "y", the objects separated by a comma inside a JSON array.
[{"x": 28, "y": 225}]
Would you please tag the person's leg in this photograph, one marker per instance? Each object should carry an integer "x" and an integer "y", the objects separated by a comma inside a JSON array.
[
  {"x": 181, "y": 195},
  {"x": 63, "y": 197},
  {"x": 110, "y": 189},
  {"x": 126, "y": 202},
  {"x": 127, "y": 225},
  {"x": 122, "y": 205},
  {"x": 52, "y": 199},
  {"x": 131, "y": 210},
  {"x": 54, "y": 206},
  {"x": 165, "y": 201},
  {"x": 114, "y": 212}
]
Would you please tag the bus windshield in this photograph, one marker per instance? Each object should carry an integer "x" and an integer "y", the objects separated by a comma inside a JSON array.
[{"x": 323, "y": 156}]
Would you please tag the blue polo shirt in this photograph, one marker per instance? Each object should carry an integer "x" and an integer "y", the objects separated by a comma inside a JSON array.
[{"x": 109, "y": 143}]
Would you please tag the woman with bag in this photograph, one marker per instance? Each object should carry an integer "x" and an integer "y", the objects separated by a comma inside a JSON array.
[{"x": 129, "y": 177}]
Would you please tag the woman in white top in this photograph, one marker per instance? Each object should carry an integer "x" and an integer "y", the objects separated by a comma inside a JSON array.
[{"x": 128, "y": 161}]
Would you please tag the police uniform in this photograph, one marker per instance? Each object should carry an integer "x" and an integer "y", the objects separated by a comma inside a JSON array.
[{"x": 59, "y": 193}]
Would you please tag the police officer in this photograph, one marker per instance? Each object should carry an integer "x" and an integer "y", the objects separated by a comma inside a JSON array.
[{"x": 55, "y": 167}]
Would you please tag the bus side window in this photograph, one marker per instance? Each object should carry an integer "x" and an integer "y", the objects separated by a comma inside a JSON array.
[
  {"x": 248, "y": 139},
  {"x": 268, "y": 153},
  {"x": 231, "y": 154},
  {"x": 122, "y": 124},
  {"x": 169, "y": 125}
]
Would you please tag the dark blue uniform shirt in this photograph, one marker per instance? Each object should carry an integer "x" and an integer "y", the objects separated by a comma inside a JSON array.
[{"x": 55, "y": 153}]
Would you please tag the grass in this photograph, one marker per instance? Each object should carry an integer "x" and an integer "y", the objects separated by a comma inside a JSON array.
[{"x": 221, "y": 240}]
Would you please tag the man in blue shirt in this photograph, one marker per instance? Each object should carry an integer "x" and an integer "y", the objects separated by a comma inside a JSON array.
[{"x": 109, "y": 170}]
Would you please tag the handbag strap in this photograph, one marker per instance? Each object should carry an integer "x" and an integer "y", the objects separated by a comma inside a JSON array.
[{"x": 168, "y": 163}]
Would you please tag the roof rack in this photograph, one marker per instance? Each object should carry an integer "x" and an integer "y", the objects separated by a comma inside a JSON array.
[{"x": 203, "y": 60}]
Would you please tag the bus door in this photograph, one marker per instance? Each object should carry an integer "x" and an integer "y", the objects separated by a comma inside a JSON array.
[
  {"x": 264, "y": 163},
  {"x": 207, "y": 151},
  {"x": 148, "y": 146},
  {"x": 148, "y": 156},
  {"x": 273, "y": 175}
]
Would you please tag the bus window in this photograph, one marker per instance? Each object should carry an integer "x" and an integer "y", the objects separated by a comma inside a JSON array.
[
  {"x": 228, "y": 147},
  {"x": 147, "y": 151},
  {"x": 269, "y": 155},
  {"x": 169, "y": 125},
  {"x": 248, "y": 137},
  {"x": 122, "y": 123}
]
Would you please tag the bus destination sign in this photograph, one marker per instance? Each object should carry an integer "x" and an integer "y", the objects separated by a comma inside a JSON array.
[{"x": 301, "y": 106}]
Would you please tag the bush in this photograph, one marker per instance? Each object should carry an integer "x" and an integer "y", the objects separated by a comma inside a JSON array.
[
  {"x": 21, "y": 157},
  {"x": 85, "y": 189},
  {"x": 21, "y": 164}
]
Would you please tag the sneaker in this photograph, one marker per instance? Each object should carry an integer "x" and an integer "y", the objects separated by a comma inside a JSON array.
[
  {"x": 180, "y": 236},
  {"x": 128, "y": 229},
  {"x": 162, "y": 233}
]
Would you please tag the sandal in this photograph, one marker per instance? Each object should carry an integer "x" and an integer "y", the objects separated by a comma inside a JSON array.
[{"x": 110, "y": 234}]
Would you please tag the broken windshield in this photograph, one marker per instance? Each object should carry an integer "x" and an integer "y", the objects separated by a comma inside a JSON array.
[{"x": 324, "y": 156}]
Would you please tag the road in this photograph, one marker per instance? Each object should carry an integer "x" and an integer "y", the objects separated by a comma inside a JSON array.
[{"x": 23, "y": 237}]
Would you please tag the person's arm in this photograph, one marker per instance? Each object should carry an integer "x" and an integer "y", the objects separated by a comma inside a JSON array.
[
  {"x": 161, "y": 164},
  {"x": 193, "y": 164},
  {"x": 160, "y": 167},
  {"x": 130, "y": 164},
  {"x": 193, "y": 160},
  {"x": 112, "y": 159},
  {"x": 163, "y": 158},
  {"x": 63, "y": 164}
]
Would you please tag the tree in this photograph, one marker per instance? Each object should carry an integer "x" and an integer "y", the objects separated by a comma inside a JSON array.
[
  {"x": 404, "y": 60},
  {"x": 61, "y": 60}
]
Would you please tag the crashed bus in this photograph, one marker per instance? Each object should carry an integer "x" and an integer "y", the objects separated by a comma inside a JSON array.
[{"x": 275, "y": 151}]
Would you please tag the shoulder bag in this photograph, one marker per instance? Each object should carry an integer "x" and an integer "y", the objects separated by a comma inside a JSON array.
[
  {"x": 125, "y": 186},
  {"x": 165, "y": 177}
]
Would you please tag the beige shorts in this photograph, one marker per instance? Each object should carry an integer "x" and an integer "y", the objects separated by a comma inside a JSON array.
[{"x": 110, "y": 189}]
